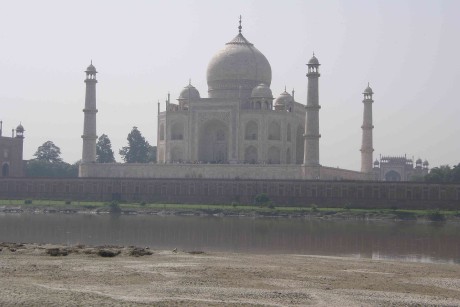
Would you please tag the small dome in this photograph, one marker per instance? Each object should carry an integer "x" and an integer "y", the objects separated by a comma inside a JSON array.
[
  {"x": 91, "y": 68},
  {"x": 261, "y": 91},
  {"x": 20, "y": 128},
  {"x": 284, "y": 98},
  {"x": 189, "y": 92},
  {"x": 426, "y": 163},
  {"x": 419, "y": 161},
  {"x": 368, "y": 90},
  {"x": 313, "y": 60},
  {"x": 376, "y": 163}
]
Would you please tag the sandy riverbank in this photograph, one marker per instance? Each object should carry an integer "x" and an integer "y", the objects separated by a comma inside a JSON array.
[{"x": 30, "y": 276}]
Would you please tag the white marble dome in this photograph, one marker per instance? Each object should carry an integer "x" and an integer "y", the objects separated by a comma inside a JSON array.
[
  {"x": 283, "y": 99},
  {"x": 236, "y": 69},
  {"x": 261, "y": 91},
  {"x": 189, "y": 92}
]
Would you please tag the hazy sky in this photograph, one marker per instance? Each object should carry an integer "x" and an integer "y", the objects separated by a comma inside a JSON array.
[{"x": 409, "y": 51}]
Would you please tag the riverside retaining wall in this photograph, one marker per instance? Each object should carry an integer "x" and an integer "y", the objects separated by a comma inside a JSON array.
[{"x": 356, "y": 194}]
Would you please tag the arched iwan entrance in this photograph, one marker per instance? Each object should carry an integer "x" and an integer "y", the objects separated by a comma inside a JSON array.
[
  {"x": 213, "y": 142},
  {"x": 392, "y": 176}
]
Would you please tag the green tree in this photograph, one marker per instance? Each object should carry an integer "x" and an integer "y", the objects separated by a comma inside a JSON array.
[
  {"x": 40, "y": 168},
  {"x": 439, "y": 174},
  {"x": 456, "y": 173},
  {"x": 48, "y": 152},
  {"x": 262, "y": 198},
  {"x": 104, "y": 152},
  {"x": 137, "y": 150},
  {"x": 152, "y": 154}
]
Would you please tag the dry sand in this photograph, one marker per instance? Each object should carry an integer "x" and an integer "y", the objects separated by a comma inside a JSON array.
[{"x": 29, "y": 276}]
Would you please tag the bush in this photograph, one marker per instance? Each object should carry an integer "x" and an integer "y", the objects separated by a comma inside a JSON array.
[
  {"x": 28, "y": 201},
  {"x": 347, "y": 206},
  {"x": 436, "y": 216},
  {"x": 114, "y": 207},
  {"x": 68, "y": 202},
  {"x": 143, "y": 203},
  {"x": 262, "y": 199},
  {"x": 406, "y": 216},
  {"x": 314, "y": 208}
]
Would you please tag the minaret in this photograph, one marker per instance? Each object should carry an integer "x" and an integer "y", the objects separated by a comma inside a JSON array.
[
  {"x": 366, "y": 147},
  {"x": 89, "y": 127},
  {"x": 311, "y": 145}
]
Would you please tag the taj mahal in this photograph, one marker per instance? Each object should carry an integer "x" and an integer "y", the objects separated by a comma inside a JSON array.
[{"x": 240, "y": 131}]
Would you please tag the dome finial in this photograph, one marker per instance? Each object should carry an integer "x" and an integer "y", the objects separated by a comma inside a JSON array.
[
  {"x": 240, "y": 27},
  {"x": 285, "y": 87},
  {"x": 189, "y": 81}
]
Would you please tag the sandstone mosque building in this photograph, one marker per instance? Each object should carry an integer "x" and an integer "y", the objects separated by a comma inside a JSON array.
[{"x": 240, "y": 131}]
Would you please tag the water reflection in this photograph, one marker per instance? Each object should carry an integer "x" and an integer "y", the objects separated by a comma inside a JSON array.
[{"x": 410, "y": 241}]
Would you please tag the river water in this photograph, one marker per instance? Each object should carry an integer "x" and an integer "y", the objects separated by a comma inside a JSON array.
[{"x": 406, "y": 241}]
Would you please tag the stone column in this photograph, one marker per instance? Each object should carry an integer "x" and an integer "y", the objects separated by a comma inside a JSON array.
[
  {"x": 89, "y": 127},
  {"x": 366, "y": 145},
  {"x": 311, "y": 145}
]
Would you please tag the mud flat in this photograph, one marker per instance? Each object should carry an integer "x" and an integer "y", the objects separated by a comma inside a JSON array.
[{"x": 49, "y": 275}]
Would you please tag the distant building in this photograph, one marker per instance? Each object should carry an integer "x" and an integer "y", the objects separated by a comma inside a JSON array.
[
  {"x": 11, "y": 150},
  {"x": 392, "y": 168}
]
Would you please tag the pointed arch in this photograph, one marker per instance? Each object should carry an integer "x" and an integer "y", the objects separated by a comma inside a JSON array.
[
  {"x": 274, "y": 155},
  {"x": 274, "y": 131},
  {"x": 251, "y": 131},
  {"x": 213, "y": 142},
  {"x": 177, "y": 131},
  {"x": 299, "y": 143},
  {"x": 288, "y": 132},
  {"x": 392, "y": 176},
  {"x": 177, "y": 155},
  {"x": 5, "y": 170},
  {"x": 162, "y": 132},
  {"x": 250, "y": 155}
]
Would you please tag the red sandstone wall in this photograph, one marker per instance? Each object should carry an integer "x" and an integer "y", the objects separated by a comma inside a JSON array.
[{"x": 356, "y": 194}]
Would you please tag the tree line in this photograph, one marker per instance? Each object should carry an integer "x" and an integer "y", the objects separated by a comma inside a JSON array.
[
  {"x": 444, "y": 174},
  {"x": 48, "y": 161}
]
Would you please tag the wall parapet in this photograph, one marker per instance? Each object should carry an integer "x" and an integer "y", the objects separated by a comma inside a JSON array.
[{"x": 217, "y": 171}]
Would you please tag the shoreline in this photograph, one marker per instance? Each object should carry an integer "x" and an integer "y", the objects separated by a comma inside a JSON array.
[
  {"x": 237, "y": 211},
  {"x": 33, "y": 274}
]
